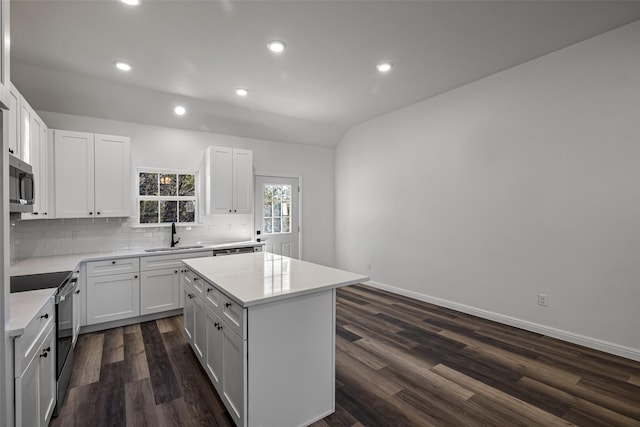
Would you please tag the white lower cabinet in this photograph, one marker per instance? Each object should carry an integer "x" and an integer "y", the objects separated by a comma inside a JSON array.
[
  {"x": 35, "y": 386},
  {"x": 222, "y": 352},
  {"x": 213, "y": 354},
  {"x": 234, "y": 370},
  {"x": 159, "y": 290},
  {"x": 47, "y": 379},
  {"x": 112, "y": 297}
]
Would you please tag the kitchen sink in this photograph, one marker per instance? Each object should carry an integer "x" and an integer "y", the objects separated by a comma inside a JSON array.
[{"x": 176, "y": 248}]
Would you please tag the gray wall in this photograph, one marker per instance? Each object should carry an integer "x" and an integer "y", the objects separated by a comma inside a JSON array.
[{"x": 525, "y": 182}]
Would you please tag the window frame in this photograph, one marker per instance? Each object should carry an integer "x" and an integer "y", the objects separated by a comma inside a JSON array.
[{"x": 165, "y": 171}]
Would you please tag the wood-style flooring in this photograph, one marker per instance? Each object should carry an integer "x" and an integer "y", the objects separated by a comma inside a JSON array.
[{"x": 399, "y": 362}]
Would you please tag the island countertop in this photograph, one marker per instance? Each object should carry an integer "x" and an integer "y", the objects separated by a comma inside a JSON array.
[{"x": 262, "y": 277}]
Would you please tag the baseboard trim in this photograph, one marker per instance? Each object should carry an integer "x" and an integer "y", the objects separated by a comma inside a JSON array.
[
  {"x": 583, "y": 340},
  {"x": 130, "y": 321}
]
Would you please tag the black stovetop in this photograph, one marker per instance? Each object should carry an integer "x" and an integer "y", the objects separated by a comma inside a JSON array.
[{"x": 34, "y": 282}]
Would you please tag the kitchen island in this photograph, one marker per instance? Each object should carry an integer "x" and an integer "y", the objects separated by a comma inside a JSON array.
[{"x": 263, "y": 328}]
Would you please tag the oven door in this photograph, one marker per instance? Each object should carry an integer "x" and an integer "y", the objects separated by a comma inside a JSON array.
[{"x": 64, "y": 320}]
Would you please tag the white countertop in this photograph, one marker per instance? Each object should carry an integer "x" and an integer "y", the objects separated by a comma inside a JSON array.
[
  {"x": 23, "y": 306},
  {"x": 262, "y": 277},
  {"x": 50, "y": 264}
]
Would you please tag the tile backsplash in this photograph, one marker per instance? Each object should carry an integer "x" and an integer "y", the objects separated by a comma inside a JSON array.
[{"x": 50, "y": 237}]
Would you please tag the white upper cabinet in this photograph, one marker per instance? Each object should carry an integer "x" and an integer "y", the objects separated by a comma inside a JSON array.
[
  {"x": 227, "y": 177},
  {"x": 112, "y": 175},
  {"x": 38, "y": 151},
  {"x": 4, "y": 55},
  {"x": 92, "y": 175},
  {"x": 13, "y": 121},
  {"x": 73, "y": 174}
]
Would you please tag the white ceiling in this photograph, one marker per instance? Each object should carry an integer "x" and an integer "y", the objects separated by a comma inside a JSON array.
[{"x": 196, "y": 53}]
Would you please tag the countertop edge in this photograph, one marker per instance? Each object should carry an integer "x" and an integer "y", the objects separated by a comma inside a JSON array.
[
  {"x": 74, "y": 260},
  {"x": 46, "y": 296}
]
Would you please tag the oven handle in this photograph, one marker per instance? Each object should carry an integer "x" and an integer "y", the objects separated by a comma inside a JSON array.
[{"x": 67, "y": 290}]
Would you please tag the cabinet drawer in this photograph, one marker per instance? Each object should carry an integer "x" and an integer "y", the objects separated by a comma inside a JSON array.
[
  {"x": 234, "y": 316},
  {"x": 157, "y": 262},
  {"x": 196, "y": 282},
  {"x": 113, "y": 266},
  {"x": 26, "y": 345},
  {"x": 213, "y": 298}
]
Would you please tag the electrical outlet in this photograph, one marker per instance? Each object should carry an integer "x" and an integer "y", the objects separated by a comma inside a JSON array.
[
  {"x": 542, "y": 300},
  {"x": 369, "y": 265}
]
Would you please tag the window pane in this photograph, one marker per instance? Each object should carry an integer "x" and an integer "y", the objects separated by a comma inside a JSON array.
[
  {"x": 186, "y": 212},
  {"x": 286, "y": 224},
  {"x": 168, "y": 211},
  {"x": 276, "y": 209},
  {"x": 168, "y": 184},
  {"x": 148, "y": 184},
  {"x": 267, "y": 225},
  {"x": 276, "y": 225},
  {"x": 267, "y": 209},
  {"x": 285, "y": 208},
  {"x": 148, "y": 212},
  {"x": 186, "y": 185}
]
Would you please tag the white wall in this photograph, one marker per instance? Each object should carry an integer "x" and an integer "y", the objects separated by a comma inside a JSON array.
[
  {"x": 154, "y": 146},
  {"x": 525, "y": 182}
]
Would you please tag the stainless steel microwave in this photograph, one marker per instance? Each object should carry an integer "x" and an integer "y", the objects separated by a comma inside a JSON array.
[{"x": 21, "y": 185}]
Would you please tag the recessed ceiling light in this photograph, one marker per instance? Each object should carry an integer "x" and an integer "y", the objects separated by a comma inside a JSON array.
[
  {"x": 131, "y": 2},
  {"x": 123, "y": 66},
  {"x": 384, "y": 67},
  {"x": 180, "y": 110},
  {"x": 276, "y": 46},
  {"x": 242, "y": 92}
]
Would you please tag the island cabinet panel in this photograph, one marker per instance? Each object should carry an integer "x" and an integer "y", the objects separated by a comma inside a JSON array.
[
  {"x": 291, "y": 379},
  {"x": 188, "y": 313},
  {"x": 234, "y": 375}
]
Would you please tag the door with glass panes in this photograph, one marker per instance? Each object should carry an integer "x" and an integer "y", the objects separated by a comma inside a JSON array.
[{"x": 277, "y": 214}]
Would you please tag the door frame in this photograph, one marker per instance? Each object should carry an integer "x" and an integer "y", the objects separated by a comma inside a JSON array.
[{"x": 300, "y": 224}]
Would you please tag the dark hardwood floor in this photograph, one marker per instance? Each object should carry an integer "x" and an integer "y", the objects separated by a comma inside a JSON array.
[{"x": 399, "y": 362}]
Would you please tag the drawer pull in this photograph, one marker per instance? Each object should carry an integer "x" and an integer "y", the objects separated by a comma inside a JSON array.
[
  {"x": 219, "y": 327},
  {"x": 195, "y": 278},
  {"x": 216, "y": 324},
  {"x": 78, "y": 291},
  {"x": 113, "y": 262},
  {"x": 209, "y": 290},
  {"x": 44, "y": 354},
  {"x": 227, "y": 304},
  {"x": 135, "y": 277},
  {"x": 190, "y": 296},
  {"x": 175, "y": 272},
  {"x": 45, "y": 316}
]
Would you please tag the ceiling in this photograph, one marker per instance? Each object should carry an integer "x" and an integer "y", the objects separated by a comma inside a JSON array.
[{"x": 195, "y": 53}]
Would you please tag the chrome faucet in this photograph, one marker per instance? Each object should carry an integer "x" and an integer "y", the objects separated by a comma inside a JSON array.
[{"x": 173, "y": 233}]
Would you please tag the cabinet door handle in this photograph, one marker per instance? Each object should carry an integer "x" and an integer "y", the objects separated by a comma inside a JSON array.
[
  {"x": 45, "y": 316},
  {"x": 209, "y": 290},
  {"x": 44, "y": 213},
  {"x": 216, "y": 324},
  {"x": 195, "y": 278},
  {"x": 34, "y": 213},
  {"x": 78, "y": 291},
  {"x": 11, "y": 150},
  {"x": 227, "y": 304},
  {"x": 44, "y": 354},
  {"x": 175, "y": 272},
  {"x": 135, "y": 277},
  {"x": 190, "y": 296},
  {"x": 113, "y": 262},
  {"x": 219, "y": 327},
  {"x": 48, "y": 349},
  {"x": 90, "y": 213},
  {"x": 98, "y": 213}
]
